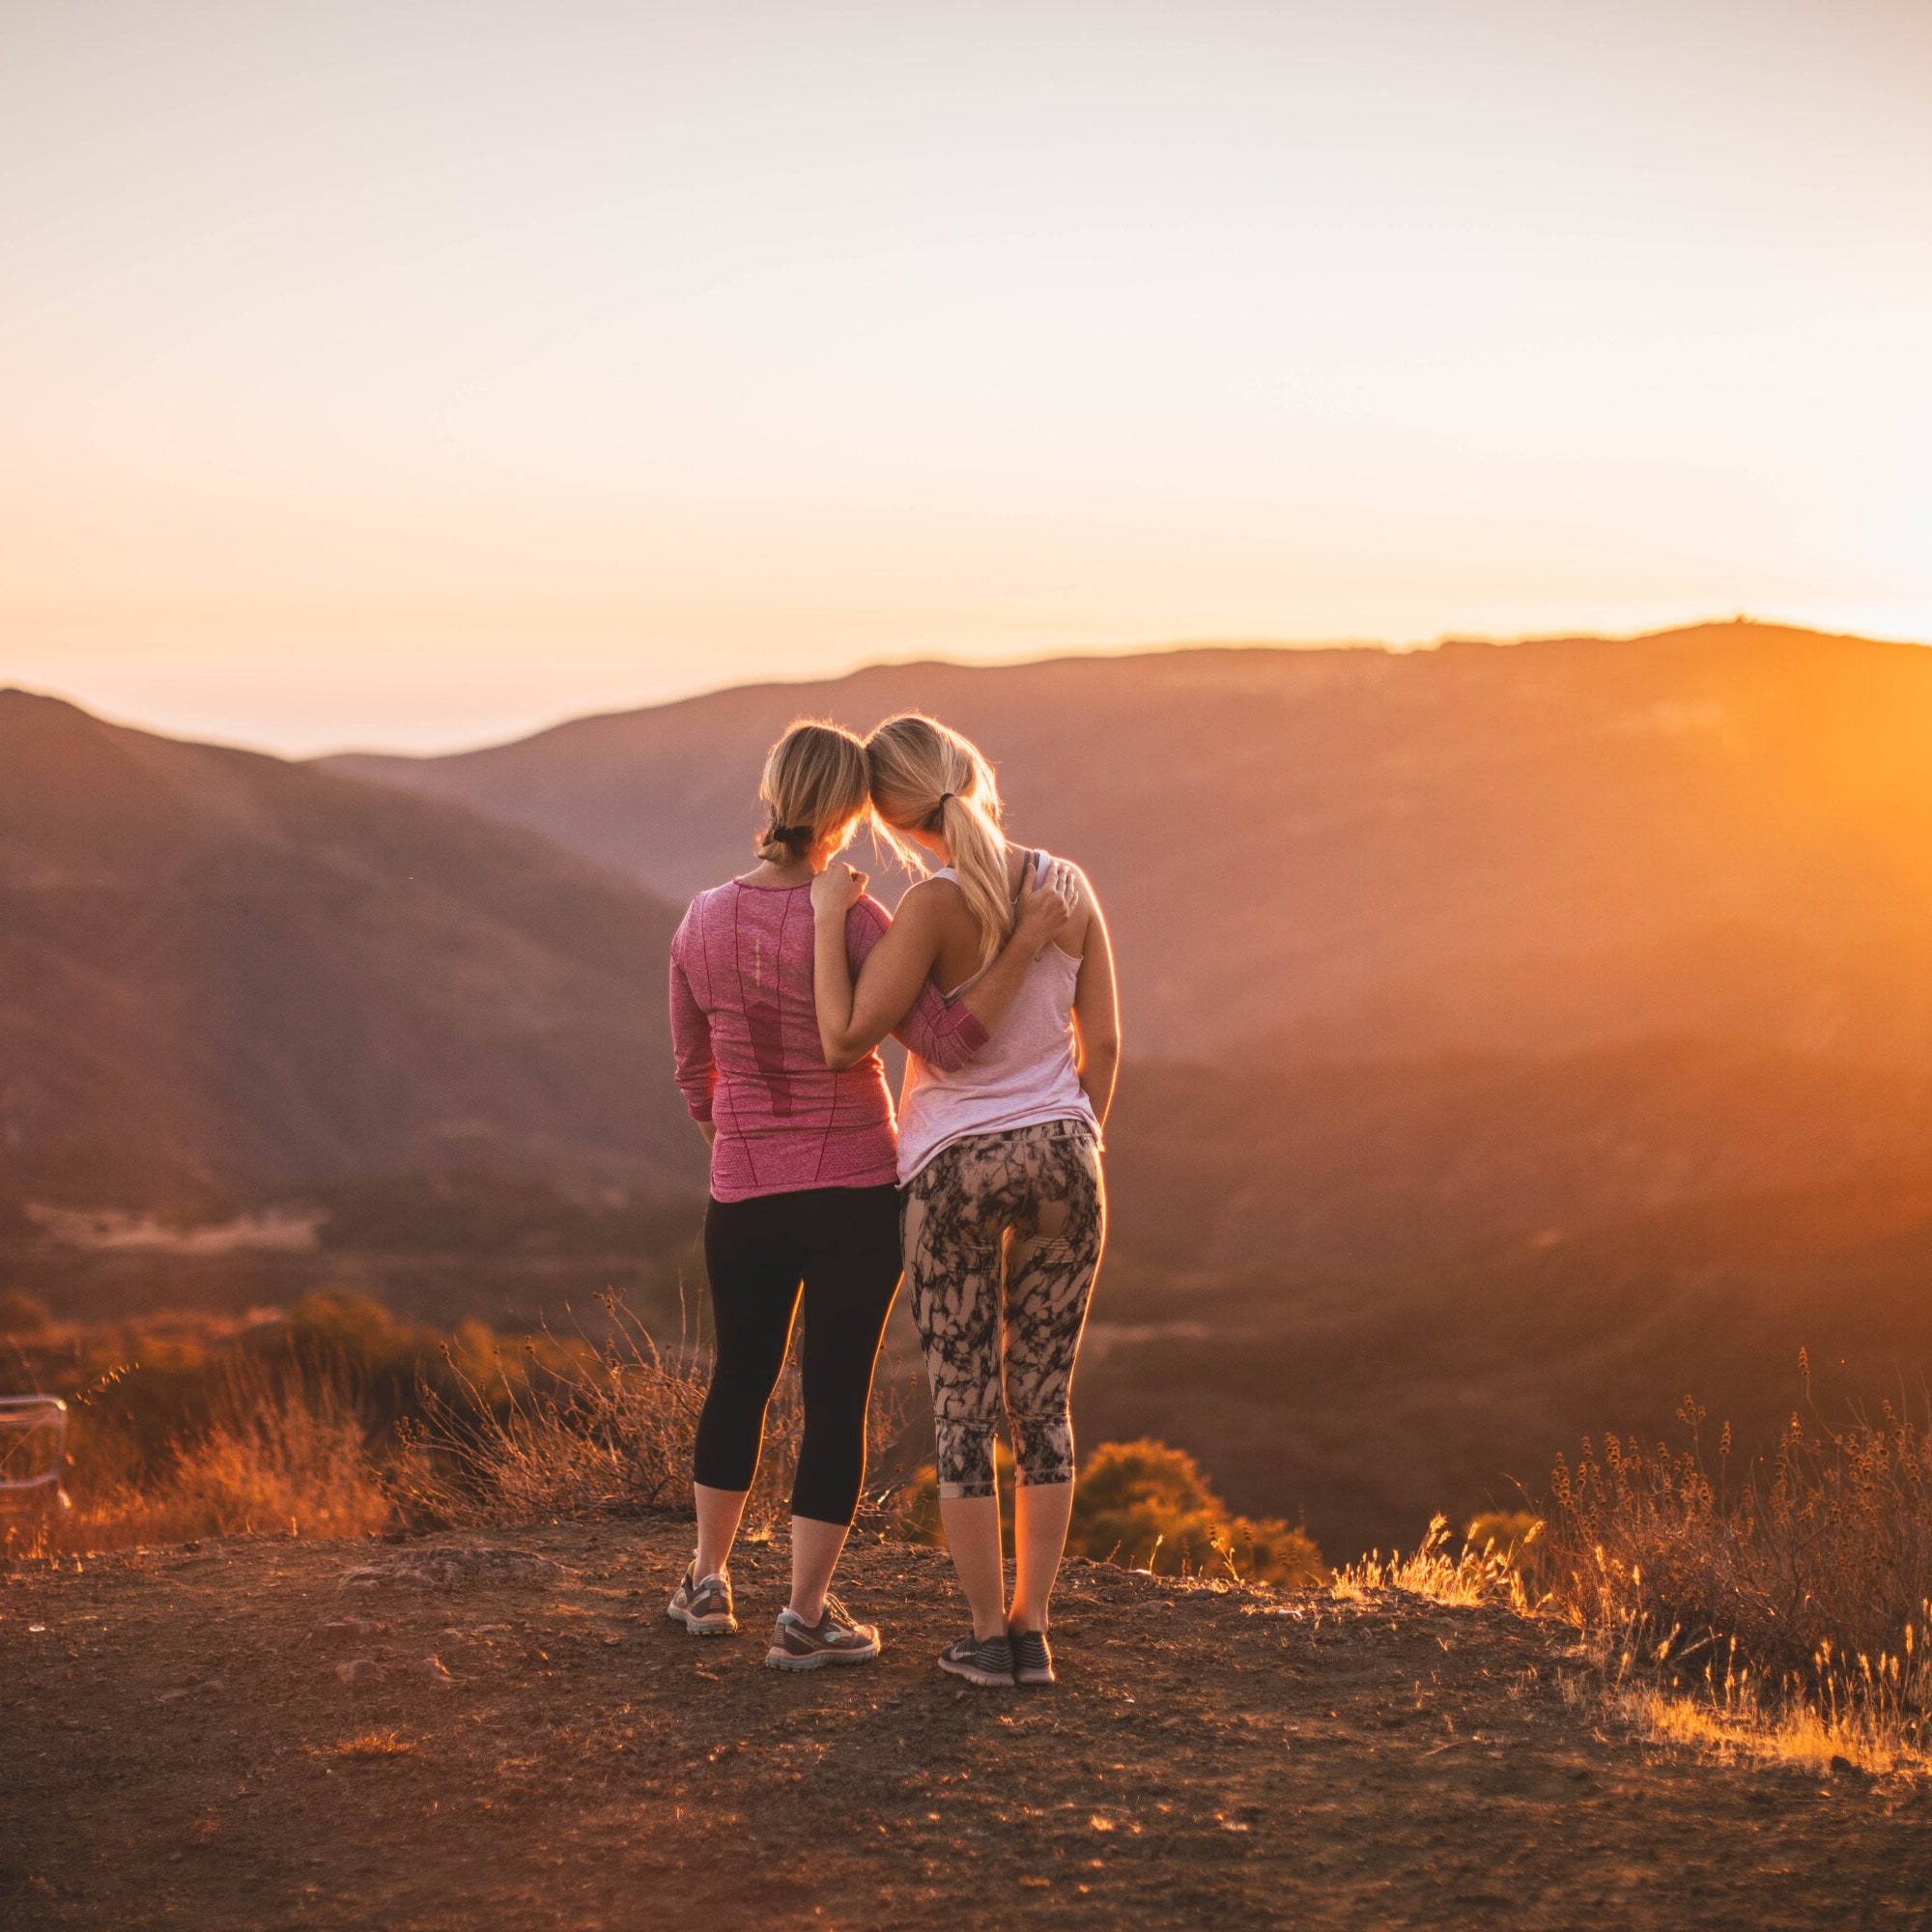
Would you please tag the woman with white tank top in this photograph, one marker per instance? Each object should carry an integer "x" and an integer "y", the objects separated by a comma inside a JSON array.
[{"x": 1004, "y": 1214}]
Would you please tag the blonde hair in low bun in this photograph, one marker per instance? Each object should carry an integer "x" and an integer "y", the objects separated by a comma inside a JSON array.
[
  {"x": 816, "y": 784},
  {"x": 926, "y": 777}
]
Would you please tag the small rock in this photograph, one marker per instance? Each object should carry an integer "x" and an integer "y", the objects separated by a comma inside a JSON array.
[
  {"x": 351, "y": 1627},
  {"x": 360, "y": 1671},
  {"x": 435, "y": 1669}
]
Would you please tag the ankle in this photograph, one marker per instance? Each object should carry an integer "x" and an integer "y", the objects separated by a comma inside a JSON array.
[
  {"x": 806, "y": 1611},
  {"x": 1019, "y": 1619}
]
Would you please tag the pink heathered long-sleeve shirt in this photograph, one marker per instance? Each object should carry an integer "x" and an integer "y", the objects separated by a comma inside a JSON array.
[{"x": 745, "y": 1033}]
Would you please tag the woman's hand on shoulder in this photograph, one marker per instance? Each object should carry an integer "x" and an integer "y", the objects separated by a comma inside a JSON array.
[
  {"x": 1047, "y": 908},
  {"x": 837, "y": 889}
]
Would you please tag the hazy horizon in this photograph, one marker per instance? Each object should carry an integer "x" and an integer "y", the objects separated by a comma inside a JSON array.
[{"x": 539, "y": 723}]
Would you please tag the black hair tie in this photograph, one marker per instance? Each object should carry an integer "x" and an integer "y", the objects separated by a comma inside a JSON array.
[{"x": 797, "y": 836}]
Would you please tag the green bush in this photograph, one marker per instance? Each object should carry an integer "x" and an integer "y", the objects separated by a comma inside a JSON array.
[{"x": 1149, "y": 1507}]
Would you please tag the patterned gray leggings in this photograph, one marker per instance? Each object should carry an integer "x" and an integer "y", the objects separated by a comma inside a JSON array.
[{"x": 1003, "y": 1231}]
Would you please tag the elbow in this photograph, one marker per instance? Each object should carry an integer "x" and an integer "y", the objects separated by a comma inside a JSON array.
[{"x": 843, "y": 1055}]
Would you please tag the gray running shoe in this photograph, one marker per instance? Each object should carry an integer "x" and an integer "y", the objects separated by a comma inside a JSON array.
[
  {"x": 1032, "y": 1657},
  {"x": 987, "y": 1660},
  {"x": 837, "y": 1637},
  {"x": 702, "y": 1604}
]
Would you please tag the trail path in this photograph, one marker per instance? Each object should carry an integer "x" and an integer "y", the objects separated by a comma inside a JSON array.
[{"x": 181, "y": 1749}]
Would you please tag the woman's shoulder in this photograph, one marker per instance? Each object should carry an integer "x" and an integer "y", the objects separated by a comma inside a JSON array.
[
  {"x": 938, "y": 896},
  {"x": 707, "y": 905},
  {"x": 1072, "y": 871},
  {"x": 1083, "y": 904},
  {"x": 934, "y": 889}
]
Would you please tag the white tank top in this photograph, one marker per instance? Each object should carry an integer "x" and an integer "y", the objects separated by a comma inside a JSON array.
[{"x": 1024, "y": 1074}]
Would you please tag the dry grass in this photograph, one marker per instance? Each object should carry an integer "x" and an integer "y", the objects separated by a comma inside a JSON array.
[
  {"x": 203, "y": 1440},
  {"x": 1484, "y": 1572},
  {"x": 1733, "y": 1721},
  {"x": 280, "y": 1456},
  {"x": 1784, "y": 1611},
  {"x": 588, "y": 1431},
  {"x": 369, "y": 1747}
]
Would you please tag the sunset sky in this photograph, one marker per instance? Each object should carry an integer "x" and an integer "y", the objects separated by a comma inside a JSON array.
[{"x": 411, "y": 374}]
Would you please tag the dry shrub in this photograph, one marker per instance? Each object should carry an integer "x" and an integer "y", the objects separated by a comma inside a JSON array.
[
  {"x": 587, "y": 1431},
  {"x": 1790, "y": 1604},
  {"x": 281, "y": 1454}
]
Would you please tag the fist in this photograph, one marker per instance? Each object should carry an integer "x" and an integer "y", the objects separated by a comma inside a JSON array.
[{"x": 837, "y": 889}]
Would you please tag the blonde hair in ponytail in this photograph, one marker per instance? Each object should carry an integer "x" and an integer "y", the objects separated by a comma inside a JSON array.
[
  {"x": 926, "y": 777},
  {"x": 815, "y": 786}
]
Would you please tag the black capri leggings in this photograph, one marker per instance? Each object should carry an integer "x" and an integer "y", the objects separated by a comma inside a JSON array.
[{"x": 842, "y": 1244}]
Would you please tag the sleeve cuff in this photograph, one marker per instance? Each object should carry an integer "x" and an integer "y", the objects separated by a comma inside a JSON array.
[{"x": 968, "y": 1031}]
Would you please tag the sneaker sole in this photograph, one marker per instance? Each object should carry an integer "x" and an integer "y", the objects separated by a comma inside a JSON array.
[
  {"x": 784, "y": 1660},
  {"x": 973, "y": 1674},
  {"x": 704, "y": 1625},
  {"x": 1034, "y": 1677}
]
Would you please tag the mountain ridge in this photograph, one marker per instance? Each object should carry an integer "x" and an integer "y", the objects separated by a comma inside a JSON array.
[
  {"x": 1559, "y": 842},
  {"x": 222, "y": 968}
]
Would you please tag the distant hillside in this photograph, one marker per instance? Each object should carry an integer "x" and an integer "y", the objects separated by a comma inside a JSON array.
[
  {"x": 1545, "y": 847},
  {"x": 1356, "y": 1396},
  {"x": 221, "y": 969},
  {"x": 1379, "y": 1164}
]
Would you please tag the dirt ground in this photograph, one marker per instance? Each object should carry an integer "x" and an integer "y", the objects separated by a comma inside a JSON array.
[{"x": 227, "y": 1736}]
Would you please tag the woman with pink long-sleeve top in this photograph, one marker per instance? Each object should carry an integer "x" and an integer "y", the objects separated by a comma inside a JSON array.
[{"x": 804, "y": 1165}]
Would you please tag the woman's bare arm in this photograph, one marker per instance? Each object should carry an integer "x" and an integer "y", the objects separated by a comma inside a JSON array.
[
  {"x": 1097, "y": 1012},
  {"x": 853, "y": 1018}
]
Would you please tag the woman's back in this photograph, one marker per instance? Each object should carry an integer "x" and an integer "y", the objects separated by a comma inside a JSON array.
[
  {"x": 1026, "y": 1075},
  {"x": 745, "y": 1032},
  {"x": 749, "y": 1042}
]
